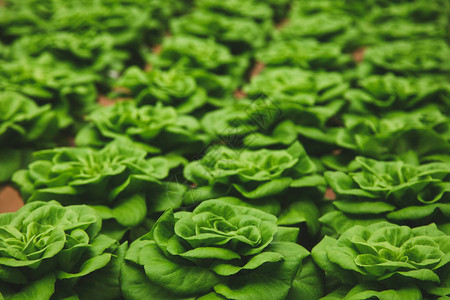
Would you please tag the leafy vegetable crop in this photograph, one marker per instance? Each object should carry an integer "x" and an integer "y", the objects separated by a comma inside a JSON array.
[
  {"x": 386, "y": 260},
  {"x": 218, "y": 250},
  {"x": 51, "y": 251},
  {"x": 212, "y": 150}
]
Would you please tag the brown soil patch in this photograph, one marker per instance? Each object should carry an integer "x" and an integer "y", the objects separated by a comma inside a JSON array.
[
  {"x": 358, "y": 54},
  {"x": 10, "y": 199},
  {"x": 239, "y": 94},
  {"x": 105, "y": 101},
  {"x": 329, "y": 194},
  {"x": 257, "y": 69}
]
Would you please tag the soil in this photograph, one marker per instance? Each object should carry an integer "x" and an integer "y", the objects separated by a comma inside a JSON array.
[{"x": 10, "y": 199}]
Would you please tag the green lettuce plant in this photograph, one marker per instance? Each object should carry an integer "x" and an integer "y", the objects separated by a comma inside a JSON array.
[
  {"x": 53, "y": 252},
  {"x": 125, "y": 21},
  {"x": 193, "y": 53},
  {"x": 407, "y": 57},
  {"x": 284, "y": 103},
  {"x": 183, "y": 90},
  {"x": 416, "y": 136},
  {"x": 401, "y": 30},
  {"x": 256, "y": 10},
  {"x": 102, "y": 35},
  {"x": 325, "y": 26},
  {"x": 231, "y": 123},
  {"x": 285, "y": 85},
  {"x": 386, "y": 261},
  {"x": 245, "y": 121},
  {"x": 153, "y": 128},
  {"x": 118, "y": 181},
  {"x": 307, "y": 54},
  {"x": 237, "y": 33},
  {"x": 388, "y": 92},
  {"x": 399, "y": 191},
  {"x": 308, "y": 8},
  {"x": 406, "y": 21},
  {"x": 252, "y": 124},
  {"x": 24, "y": 126},
  {"x": 254, "y": 173},
  {"x": 70, "y": 90},
  {"x": 306, "y": 103},
  {"x": 89, "y": 50},
  {"x": 218, "y": 251},
  {"x": 276, "y": 181}
]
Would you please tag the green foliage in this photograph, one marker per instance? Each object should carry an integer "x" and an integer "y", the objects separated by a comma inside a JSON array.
[
  {"x": 387, "y": 92},
  {"x": 411, "y": 136},
  {"x": 114, "y": 180},
  {"x": 51, "y": 251},
  {"x": 406, "y": 21},
  {"x": 257, "y": 10},
  {"x": 387, "y": 261},
  {"x": 196, "y": 130},
  {"x": 306, "y": 54},
  {"x": 99, "y": 34},
  {"x": 294, "y": 86},
  {"x": 255, "y": 173},
  {"x": 24, "y": 126},
  {"x": 237, "y": 33},
  {"x": 399, "y": 191},
  {"x": 155, "y": 129},
  {"x": 173, "y": 87},
  {"x": 423, "y": 56},
  {"x": 218, "y": 250},
  {"x": 332, "y": 27},
  {"x": 69, "y": 90},
  {"x": 193, "y": 53},
  {"x": 23, "y": 123}
]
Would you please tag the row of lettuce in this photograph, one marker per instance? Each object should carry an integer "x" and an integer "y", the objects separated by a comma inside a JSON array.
[{"x": 206, "y": 178}]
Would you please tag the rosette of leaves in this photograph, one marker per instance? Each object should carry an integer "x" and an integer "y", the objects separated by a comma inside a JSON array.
[
  {"x": 69, "y": 90},
  {"x": 264, "y": 121},
  {"x": 280, "y": 8},
  {"x": 305, "y": 8},
  {"x": 230, "y": 124},
  {"x": 400, "y": 191},
  {"x": 251, "y": 124},
  {"x": 125, "y": 23},
  {"x": 271, "y": 180},
  {"x": 419, "y": 11},
  {"x": 407, "y": 57},
  {"x": 118, "y": 181},
  {"x": 307, "y": 54},
  {"x": 237, "y": 33},
  {"x": 193, "y": 53},
  {"x": 406, "y": 21},
  {"x": 256, "y": 10},
  {"x": 387, "y": 92},
  {"x": 173, "y": 87},
  {"x": 254, "y": 173},
  {"x": 337, "y": 28},
  {"x": 401, "y": 30},
  {"x": 386, "y": 261},
  {"x": 296, "y": 103},
  {"x": 84, "y": 49},
  {"x": 118, "y": 24},
  {"x": 292, "y": 85},
  {"x": 53, "y": 252},
  {"x": 115, "y": 17},
  {"x": 154, "y": 128},
  {"x": 24, "y": 126},
  {"x": 218, "y": 251},
  {"x": 416, "y": 136},
  {"x": 305, "y": 101}
]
